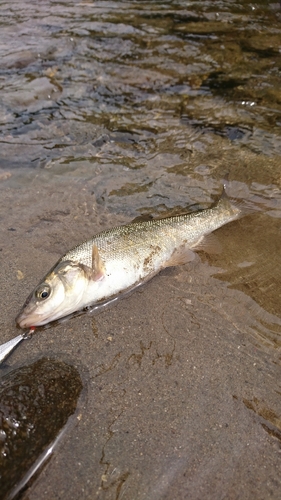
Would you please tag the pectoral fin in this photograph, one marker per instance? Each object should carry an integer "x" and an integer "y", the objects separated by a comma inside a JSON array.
[{"x": 98, "y": 269}]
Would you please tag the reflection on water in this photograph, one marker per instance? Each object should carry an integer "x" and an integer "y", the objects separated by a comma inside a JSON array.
[{"x": 110, "y": 110}]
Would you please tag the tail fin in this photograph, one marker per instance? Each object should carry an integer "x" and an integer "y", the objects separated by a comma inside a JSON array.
[{"x": 242, "y": 207}]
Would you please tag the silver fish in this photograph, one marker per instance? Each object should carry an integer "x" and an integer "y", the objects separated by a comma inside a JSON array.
[{"x": 119, "y": 259}]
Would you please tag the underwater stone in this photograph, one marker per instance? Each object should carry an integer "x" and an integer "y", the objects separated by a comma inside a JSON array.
[{"x": 35, "y": 404}]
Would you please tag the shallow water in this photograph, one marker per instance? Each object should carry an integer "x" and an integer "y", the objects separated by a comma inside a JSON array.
[{"x": 114, "y": 109}]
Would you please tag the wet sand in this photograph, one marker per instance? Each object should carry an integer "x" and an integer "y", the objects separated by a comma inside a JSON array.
[{"x": 181, "y": 396}]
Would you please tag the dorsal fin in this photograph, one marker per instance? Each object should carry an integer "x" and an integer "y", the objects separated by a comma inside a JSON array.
[{"x": 142, "y": 218}]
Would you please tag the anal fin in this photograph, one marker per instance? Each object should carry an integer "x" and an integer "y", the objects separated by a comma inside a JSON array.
[
  {"x": 209, "y": 244},
  {"x": 181, "y": 255}
]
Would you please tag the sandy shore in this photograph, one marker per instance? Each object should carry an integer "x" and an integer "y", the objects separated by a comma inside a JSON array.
[{"x": 180, "y": 395}]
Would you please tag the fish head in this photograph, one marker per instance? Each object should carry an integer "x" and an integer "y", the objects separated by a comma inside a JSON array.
[{"x": 58, "y": 295}]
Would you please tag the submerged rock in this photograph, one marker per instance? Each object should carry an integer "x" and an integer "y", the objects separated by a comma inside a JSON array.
[{"x": 35, "y": 403}]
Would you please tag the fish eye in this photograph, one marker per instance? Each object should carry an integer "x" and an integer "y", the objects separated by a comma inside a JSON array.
[{"x": 43, "y": 292}]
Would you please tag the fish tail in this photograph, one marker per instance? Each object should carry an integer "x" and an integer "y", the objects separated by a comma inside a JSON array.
[{"x": 239, "y": 207}]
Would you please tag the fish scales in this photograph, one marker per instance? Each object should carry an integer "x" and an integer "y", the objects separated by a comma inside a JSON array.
[
  {"x": 118, "y": 259},
  {"x": 118, "y": 241}
]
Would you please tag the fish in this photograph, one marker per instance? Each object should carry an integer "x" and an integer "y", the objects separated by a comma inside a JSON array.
[{"x": 117, "y": 260}]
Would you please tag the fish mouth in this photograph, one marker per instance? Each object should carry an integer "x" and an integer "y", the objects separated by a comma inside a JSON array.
[{"x": 27, "y": 320}]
